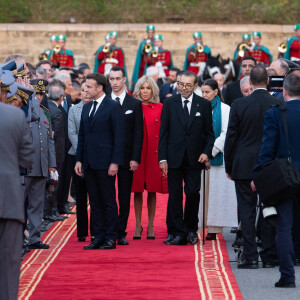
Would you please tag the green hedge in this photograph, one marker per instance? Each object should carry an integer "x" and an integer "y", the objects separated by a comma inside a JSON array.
[{"x": 154, "y": 11}]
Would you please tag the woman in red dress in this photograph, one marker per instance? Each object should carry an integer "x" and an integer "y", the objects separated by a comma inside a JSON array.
[{"x": 148, "y": 175}]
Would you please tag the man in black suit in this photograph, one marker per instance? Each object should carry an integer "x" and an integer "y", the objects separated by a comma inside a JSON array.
[
  {"x": 99, "y": 153},
  {"x": 67, "y": 168},
  {"x": 133, "y": 117},
  {"x": 56, "y": 93},
  {"x": 169, "y": 89},
  {"x": 233, "y": 90},
  {"x": 242, "y": 145},
  {"x": 185, "y": 143}
]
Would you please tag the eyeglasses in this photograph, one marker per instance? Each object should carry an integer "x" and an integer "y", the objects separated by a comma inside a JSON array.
[{"x": 185, "y": 85}]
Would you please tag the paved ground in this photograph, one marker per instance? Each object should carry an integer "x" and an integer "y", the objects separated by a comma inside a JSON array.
[{"x": 259, "y": 284}]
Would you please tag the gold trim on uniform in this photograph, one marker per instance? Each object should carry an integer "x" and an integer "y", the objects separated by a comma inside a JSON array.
[
  {"x": 39, "y": 88},
  {"x": 22, "y": 94},
  {"x": 5, "y": 88},
  {"x": 12, "y": 98}
]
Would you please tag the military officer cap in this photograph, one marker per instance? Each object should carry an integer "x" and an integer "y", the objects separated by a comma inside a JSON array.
[
  {"x": 39, "y": 85},
  {"x": 10, "y": 65},
  {"x": 246, "y": 36},
  {"x": 114, "y": 33},
  {"x": 24, "y": 92},
  {"x": 256, "y": 33},
  {"x": 7, "y": 79},
  {"x": 61, "y": 37},
  {"x": 158, "y": 37},
  {"x": 197, "y": 34},
  {"x": 53, "y": 37},
  {"x": 150, "y": 27},
  {"x": 296, "y": 27},
  {"x": 12, "y": 94}
]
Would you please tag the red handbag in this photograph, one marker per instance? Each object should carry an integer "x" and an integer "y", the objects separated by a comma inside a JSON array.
[{"x": 164, "y": 184}]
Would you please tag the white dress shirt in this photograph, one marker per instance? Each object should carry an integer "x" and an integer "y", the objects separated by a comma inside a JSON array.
[
  {"x": 99, "y": 101},
  {"x": 122, "y": 97},
  {"x": 189, "y": 105}
]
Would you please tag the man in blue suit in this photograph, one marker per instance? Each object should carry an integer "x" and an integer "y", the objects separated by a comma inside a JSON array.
[
  {"x": 169, "y": 89},
  {"x": 275, "y": 146},
  {"x": 99, "y": 153}
]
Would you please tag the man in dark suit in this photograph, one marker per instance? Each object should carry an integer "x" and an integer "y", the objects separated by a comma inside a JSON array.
[
  {"x": 56, "y": 93},
  {"x": 133, "y": 117},
  {"x": 169, "y": 89},
  {"x": 67, "y": 167},
  {"x": 185, "y": 143},
  {"x": 274, "y": 146},
  {"x": 16, "y": 151},
  {"x": 242, "y": 144},
  {"x": 233, "y": 90},
  {"x": 99, "y": 153}
]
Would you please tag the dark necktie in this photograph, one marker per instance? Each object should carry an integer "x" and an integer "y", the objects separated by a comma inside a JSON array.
[
  {"x": 118, "y": 99},
  {"x": 186, "y": 113},
  {"x": 65, "y": 105},
  {"x": 93, "y": 111}
]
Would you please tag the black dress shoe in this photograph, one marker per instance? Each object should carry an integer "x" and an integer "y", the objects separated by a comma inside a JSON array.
[
  {"x": 50, "y": 218},
  {"x": 192, "y": 238},
  {"x": 81, "y": 239},
  {"x": 95, "y": 244},
  {"x": 268, "y": 265},
  {"x": 38, "y": 245},
  {"x": 108, "y": 244},
  {"x": 66, "y": 211},
  {"x": 69, "y": 210},
  {"x": 170, "y": 237},
  {"x": 245, "y": 264},
  {"x": 122, "y": 241},
  {"x": 57, "y": 215},
  {"x": 54, "y": 218},
  {"x": 283, "y": 284},
  {"x": 178, "y": 241},
  {"x": 211, "y": 236}
]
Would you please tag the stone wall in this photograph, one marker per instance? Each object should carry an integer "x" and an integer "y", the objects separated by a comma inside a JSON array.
[{"x": 84, "y": 39}]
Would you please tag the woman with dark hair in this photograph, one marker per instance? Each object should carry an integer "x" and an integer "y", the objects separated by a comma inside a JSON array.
[
  {"x": 148, "y": 175},
  {"x": 221, "y": 200}
]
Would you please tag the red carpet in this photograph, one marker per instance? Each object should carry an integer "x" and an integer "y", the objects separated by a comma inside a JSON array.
[{"x": 146, "y": 269}]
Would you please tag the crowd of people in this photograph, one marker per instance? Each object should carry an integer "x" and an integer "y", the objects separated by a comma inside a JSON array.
[{"x": 73, "y": 132}]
